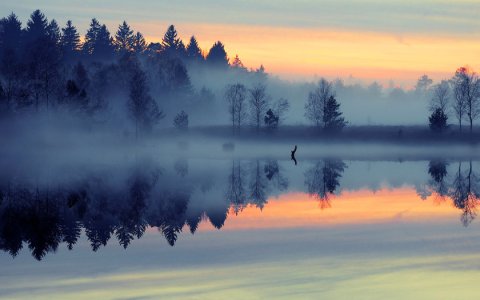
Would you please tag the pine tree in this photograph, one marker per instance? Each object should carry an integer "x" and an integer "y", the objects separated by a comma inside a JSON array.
[
  {"x": 193, "y": 50},
  {"x": 124, "y": 38},
  {"x": 238, "y": 64},
  {"x": 53, "y": 33},
  {"x": 36, "y": 27},
  {"x": 181, "y": 50},
  {"x": 70, "y": 40},
  {"x": 438, "y": 120},
  {"x": 91, "y": 37},
  {"x": 98, "y": 43},
  {"x": 42, "y": 57},
  {"x": 10, "y": 62},
  {"x": 139, "y": 43},
  {"x": 105, "y": 47},
  {"x": 217, "y": 56},
  {"x": 170, "y": 41},
  {"x": 173, "y": 78},
  {"x": 332, "y": 116},
  {"x": 10, "y": 34}
]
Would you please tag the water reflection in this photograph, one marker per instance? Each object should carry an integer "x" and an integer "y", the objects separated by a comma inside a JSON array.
[
  {"x": 438, "y": 171},
  {"x": 323, "y": 179},
  {"x": 43, "y": 213},
  {"x": 465, "y": 193}
]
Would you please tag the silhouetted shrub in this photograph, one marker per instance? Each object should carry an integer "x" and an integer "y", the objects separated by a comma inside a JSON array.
[{"x": 438, "y": 120}]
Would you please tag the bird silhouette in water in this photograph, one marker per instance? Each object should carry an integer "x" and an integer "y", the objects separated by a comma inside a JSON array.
[{"x": 293, "y": 154}]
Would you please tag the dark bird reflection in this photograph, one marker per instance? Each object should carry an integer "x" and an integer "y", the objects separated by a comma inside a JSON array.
[
  {"x": 121, "y": 203},
  {"x": 293, "y": 155}
]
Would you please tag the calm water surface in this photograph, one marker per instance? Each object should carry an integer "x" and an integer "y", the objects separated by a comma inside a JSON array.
[{"x": 246, "y": 228}]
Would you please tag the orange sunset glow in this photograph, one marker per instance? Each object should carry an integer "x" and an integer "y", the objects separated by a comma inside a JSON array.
[
  {"x": 368, "y": 41},
  {"x": 335, "y": 53},
  {"x": 242, "y": 149},
  {"x": 350, "y": 207}
]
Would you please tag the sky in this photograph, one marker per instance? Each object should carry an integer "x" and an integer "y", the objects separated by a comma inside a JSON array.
[{"x": 370, "y": 40}]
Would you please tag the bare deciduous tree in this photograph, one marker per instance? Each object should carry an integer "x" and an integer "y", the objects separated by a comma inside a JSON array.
[
  {"x": 235, "y": 95},
  {"x": 280, "y": 108},
  {"x": 236, "y": 194},
  {"x": 317, "y": 100},
  {"x": 440, "y": 97},
  {"x": 466, "y": 89},
  {"x": 258, "y": 104},
  {"x": 465, "y": 193},
  {"x": 258, "y": 187},
  {"x": 438, "y": 106}
]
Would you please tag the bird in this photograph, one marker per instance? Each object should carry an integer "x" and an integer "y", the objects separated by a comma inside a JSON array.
[{"x": 293, "y": 154}]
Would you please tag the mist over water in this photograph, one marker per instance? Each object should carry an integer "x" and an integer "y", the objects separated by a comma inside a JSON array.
[
  {"x": 139, "y": 169},
  {"x": 160, "y": 209},
  {"x": 191, "y": 183}
]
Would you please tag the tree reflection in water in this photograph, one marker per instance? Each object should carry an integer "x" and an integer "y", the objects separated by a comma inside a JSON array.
[
  {"x": 462, "y": 189},
  {"x": 41, "y": 215},
  {"x": 323, "y": 179}
]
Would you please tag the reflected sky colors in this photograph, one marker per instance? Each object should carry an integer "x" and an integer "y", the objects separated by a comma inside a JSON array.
[
  {"x": 356, "y": 207},
  {"x": 242, "y": 228},
  {"x": 383, "y": 40}
]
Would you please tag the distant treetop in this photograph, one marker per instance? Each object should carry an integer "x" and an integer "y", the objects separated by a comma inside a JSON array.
[{"x": 217, "y": 56}]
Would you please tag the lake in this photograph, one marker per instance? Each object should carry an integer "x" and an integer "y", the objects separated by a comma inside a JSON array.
[{"x": 204, "y": 226}]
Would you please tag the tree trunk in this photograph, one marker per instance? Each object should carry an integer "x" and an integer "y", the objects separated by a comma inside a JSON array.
[
  {"x": 471, "y": 124},
  {"x": 258, "y": 121}
]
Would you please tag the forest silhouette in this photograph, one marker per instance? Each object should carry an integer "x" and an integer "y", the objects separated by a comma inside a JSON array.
[
  {"x": 44, "y": 216},
  {"x": 110, "y": 77}
]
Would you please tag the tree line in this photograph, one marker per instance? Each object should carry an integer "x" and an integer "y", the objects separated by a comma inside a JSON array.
[
  {"x": 458, "y": 97},
  {"x": 47, "y": 68},
  {"x": 254, "y": 106},
  {"x": 44, "y": 68},
  {"x": 43, "y": 216}
]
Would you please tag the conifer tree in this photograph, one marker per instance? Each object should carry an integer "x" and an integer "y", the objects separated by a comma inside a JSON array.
[
  {"x": 139, "y": 43},
  {"x": 193, "y": 50},
  {"x": 332, "y": 116},
  {"x": 70, "y": 40},
  {"x": 171, "y": 42},
  {"x": 124, "y": 38},
  {"x": 217, "y": 56}
]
